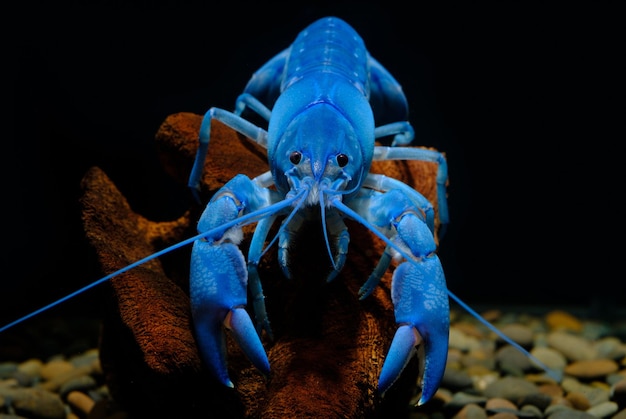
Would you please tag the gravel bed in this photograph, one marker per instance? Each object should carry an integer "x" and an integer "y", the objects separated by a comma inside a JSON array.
[
  {"x": 488, "y": 378},
  {"x": 53, "y": 371}
]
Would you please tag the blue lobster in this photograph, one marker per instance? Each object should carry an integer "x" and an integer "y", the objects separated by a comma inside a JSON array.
[
  {"x": 330, "y": 101},
  {"x": 327, "y": 93}
]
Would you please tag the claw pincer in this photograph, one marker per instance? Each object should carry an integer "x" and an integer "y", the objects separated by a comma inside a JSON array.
[{"x": 218, "y": 291}]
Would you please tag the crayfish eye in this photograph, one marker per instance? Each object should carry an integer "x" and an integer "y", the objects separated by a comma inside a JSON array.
[
  {"x": 342, "y": 160},
  {"x": 295, "y": 157}
]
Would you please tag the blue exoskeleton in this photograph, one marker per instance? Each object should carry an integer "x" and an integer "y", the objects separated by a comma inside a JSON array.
[
  {"x": 327, "y": 96},
  {"x": 326, "y": 101}
]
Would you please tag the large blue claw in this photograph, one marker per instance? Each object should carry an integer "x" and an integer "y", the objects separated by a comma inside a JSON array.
[
  {"x": 218, "y": 281},
  {"x": 421, "y": 308}
]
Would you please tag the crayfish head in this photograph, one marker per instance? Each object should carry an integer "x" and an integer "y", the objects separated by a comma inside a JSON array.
[{"x": 320, "y": 150}]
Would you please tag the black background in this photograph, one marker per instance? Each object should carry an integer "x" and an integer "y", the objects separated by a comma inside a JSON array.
[{"x": 523, "y": 100}]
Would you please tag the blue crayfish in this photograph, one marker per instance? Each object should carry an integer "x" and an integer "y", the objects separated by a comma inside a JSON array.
[
  {"x": 326, "y": 101},
  {"x": 325, "y": 93}
]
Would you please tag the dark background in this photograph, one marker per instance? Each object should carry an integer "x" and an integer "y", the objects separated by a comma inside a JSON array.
[{"x": 522, "y": 99}]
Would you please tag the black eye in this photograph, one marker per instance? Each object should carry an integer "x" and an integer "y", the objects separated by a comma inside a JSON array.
[
  {"x": 295, "y": 157},
  {"x": 342, "y": 160}
]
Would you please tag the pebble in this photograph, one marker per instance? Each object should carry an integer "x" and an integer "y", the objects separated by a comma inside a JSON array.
[
  {"x": 519, "y": 333},
  {"x": 550, "y": 357},
  {"x": 511, "y": 388},
  {"x": 578, "y": 400},
  {"x": 539, "y": 400},
  {"x": 603, "y": 410},
  {"x": 562, "y": 320},
  {"x": 573, "y": 347},
  {"x": 34, "y": 402},
  {"x": 80, "y": 401},
  {"x": 471, "y": 411},
  {"x": 618, "y": 392},
  {"x": 591, "y": 369},
  {"x": 512, "y": 361}
]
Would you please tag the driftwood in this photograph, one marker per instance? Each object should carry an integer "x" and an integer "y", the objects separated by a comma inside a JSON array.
[{"x": 328, "y": 346}]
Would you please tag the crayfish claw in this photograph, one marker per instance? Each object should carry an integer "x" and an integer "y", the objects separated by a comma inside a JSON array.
[
  {"x": 218, "y": 292},
  {"x": 239, "y": 323},
  {"x": 433, "y": 365},
  {"x": 403, "y": 347},
  {"x": 423, "y": 315},
  {"x": 212, "y": 341},
  {"x": 432, "y": 358}
]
